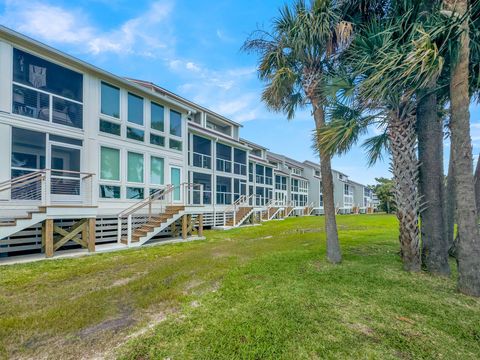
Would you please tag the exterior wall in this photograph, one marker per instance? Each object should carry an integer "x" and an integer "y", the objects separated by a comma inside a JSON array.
[
  {"x": 90, "y": 135},
  {"x": 93, "y": 139}
]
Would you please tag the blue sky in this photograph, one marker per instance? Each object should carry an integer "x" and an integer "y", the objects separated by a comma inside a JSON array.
[{"x": 191, "y": 48}]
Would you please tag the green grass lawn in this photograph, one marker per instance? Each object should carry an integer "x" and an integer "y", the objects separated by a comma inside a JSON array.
[{"x": 258, "y": 292}]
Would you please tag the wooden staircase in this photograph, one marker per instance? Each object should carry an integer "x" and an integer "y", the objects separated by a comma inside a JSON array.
[
  {"x": 241, "y": 215},
  {"x": 288, "y": 210},
  {"x": 14, "y": 224},
  {"x": 271, "y": 212},
  {"x": 155, "y": 224}
]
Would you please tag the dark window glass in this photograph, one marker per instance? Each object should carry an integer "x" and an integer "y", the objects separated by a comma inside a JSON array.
[
  {"x": 135, "y": 134},
  {"x": 110, "y": 100},
  {"x": 157, "y": 140},
  {"x": 135, "y": 109},
  {"x": 175, "y": 123},
  {"x": 157, "y": 117},
  {"x": 28, "y": 149},
  {"x": 135, "y": 193},
  {"x": 206, "y": 181},
  {"x": 175, "y": 145},
  {"x": 110, "y": 192},
  {"x": 224, "y": 152},
  {"x": 202, "y": 145},
  {"x": 224, "y": 190},
  {"x": 31, "y": 103},
  {"x": 42, "y": 74},
  {"x": 110, "y": 127},
  {"x": 240, "y": 156},
  {"x": 67, "y": 113}
]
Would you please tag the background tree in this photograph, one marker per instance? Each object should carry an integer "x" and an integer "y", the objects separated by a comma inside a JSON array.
[
  {"x": 384, "y": 191},
  {"x": 294, "y": 56}
]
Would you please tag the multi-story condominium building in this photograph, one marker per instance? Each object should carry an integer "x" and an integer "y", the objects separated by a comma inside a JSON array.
[{"x": 92, "y": 159}]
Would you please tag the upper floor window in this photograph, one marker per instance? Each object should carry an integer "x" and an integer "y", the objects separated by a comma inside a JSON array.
[
  {"x": 218, "y": 126},
  {"x": 46, "y": 91},
  {"x": 41, "y": 74},
  {"x": 157, "y": 117},
  {"x": 175, "y": 123},
  {"x": 257, "y": 152},
  {"x": 240, "y": 162},
  {"x": 110, "y": 100},
  {"x": 135, "y": 109},
  {"x": 224, "y": 158},
  {"x": 202, "y": 151}
]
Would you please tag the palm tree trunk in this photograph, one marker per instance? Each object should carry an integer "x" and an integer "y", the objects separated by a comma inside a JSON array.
[
  {"x": 477, "y": 186},
  {"x": 468, "y": 247},
  {"x": 431, "y": 183},
  {"x": 401, "y": 134},
  {"x": 450, "y": 206},
  {"x": 334, "y": 254}
]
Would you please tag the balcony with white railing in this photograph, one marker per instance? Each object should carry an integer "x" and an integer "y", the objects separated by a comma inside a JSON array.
[{"x": 47, "y": 187}]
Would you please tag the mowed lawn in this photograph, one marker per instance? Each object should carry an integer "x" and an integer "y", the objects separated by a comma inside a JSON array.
[{"x": 263, "y": 292}]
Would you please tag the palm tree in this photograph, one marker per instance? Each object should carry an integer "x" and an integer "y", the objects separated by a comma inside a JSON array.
[
  {"x": 468, "y": 246},
  {"x": 293, "y": 59},
  {"x": 431, "y": 183}
]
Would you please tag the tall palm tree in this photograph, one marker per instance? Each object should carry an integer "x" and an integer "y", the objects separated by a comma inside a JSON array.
[
  {"x": 431, "y": 183},
  {"x": 468, "y": 246},
  {"x": 293, "y": 57}
]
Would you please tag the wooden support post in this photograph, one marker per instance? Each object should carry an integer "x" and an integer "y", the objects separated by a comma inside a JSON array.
[
  {"x": 91, "y": 234},
  {"x": 200, "y": 225},
  {"x": 184, "y": 226},
  {"x": 48, "y": 224}
]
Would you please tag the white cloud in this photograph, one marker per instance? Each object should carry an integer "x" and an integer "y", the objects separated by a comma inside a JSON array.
[{"x": 57, "y": 25}]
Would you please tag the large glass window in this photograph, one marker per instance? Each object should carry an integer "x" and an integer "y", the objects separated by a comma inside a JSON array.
[
  {"x": 41, "y": 74},
  {"x": 268, "y": 176},
  {"x": 109, "y": 164},
  {"x": 239, "y": 188},
  {"x": 175, "y": 123},
  {"x": 260, "y": 174},
  {"x": 157, "y": 117},
  {"x": 28, "y": 150},
  {"x": 135, "y": 167},
  {"x": 240, "y": 162},
  {"x": 224, "y": 190},
  {"x": 224, "y": 158},
  {"x": 110, "y": 100},
  {"x": 156, "y": 170},
  {"x": 206, "y": 181},
  {"x": 46, "y": 91},
  {"x": 202, "y": 151},
  {"x": 135, "y": 109}
]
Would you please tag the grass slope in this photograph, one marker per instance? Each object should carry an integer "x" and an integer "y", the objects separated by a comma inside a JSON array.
[{"x": 258, "y": 292}]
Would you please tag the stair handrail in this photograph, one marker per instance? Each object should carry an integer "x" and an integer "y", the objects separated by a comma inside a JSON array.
[
  {"x": 8, "y": 183},
  {"x": 160, "y": 193}
]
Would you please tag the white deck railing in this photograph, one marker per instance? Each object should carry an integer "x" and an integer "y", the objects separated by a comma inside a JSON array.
[{"x": 47, "y": 186}]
